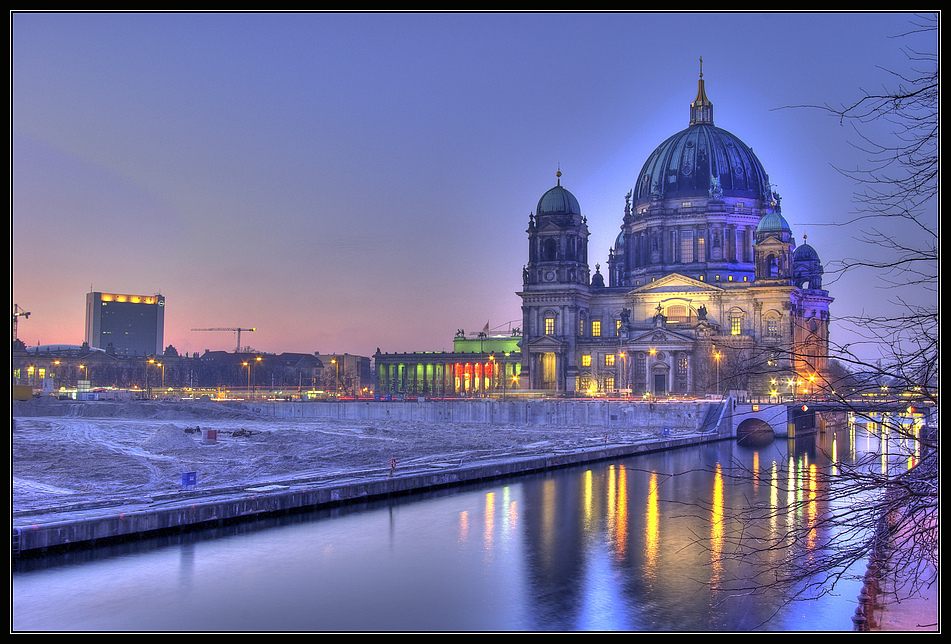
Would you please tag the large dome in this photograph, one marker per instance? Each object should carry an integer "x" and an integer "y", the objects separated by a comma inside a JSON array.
[{"x": 686, "y": 164}]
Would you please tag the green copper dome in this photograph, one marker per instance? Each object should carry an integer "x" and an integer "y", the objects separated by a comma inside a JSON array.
[
  {"x": 558, "y": 201},
  {"x": 772, "y": 222}
]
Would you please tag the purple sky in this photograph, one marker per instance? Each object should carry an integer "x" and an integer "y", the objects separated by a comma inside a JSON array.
[{"x": 344, "y": 182}]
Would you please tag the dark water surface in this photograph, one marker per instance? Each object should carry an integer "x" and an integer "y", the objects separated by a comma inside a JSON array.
[{"x": 611, "y": 546}]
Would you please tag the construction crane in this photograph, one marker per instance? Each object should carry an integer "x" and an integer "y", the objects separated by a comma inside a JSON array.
[
  {"x": 237, "y": 347},
  {"x": 17, "y": 312}
]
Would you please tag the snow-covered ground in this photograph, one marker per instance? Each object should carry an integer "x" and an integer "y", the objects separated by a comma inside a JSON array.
[{"x": 68, "y": 454}]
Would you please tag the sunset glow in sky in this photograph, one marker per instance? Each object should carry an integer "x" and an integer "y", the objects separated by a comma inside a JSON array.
[{"x": 343, "y": 182}]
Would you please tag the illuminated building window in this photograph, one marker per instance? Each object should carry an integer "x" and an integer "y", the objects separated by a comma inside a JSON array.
[
  {"x": 617, "y": 327},
  {"x": 701, "y": 249},
  {"x": 735, "y": 325},
  {"x": 609, "y": 360},
  {"x": 586, "y": 360},
  {"x": 596, "y": 328},
  {"x": 581, "y": 327},
  {"x": 549, "y": 326},
  {"x": 678, "y": 313},
  {"x": 772, "y": 327},
  {"x": 609, "y": 384}
]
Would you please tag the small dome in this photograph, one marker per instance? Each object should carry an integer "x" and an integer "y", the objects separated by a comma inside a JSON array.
[
  {"x": 597, "y": 280},
  {"x": 772, "y": 222},
  {"x": 558, "y": 201},
  {"x": 805, "y": 253}
]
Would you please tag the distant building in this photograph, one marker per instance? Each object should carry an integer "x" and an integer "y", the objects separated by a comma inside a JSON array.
[
  {"x": 282, "y": 371},
  {"x": 125, "y": 325},
  {"x": 480, "y": 365},
  {"x": 346, "y": 374},
  {"x": 705, "y": 289}
]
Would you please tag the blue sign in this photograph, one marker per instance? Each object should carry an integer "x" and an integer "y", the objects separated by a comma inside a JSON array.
[{"x": 189, "y": 479}]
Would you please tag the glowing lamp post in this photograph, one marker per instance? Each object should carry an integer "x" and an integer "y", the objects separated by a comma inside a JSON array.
[{"x": 716, "y": 356}]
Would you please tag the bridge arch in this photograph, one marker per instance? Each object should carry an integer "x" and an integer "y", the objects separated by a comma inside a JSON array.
[{"x": 754, "y": 432}]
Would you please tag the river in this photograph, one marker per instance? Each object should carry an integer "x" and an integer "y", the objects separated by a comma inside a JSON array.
[{"x": 626, "y": 545}]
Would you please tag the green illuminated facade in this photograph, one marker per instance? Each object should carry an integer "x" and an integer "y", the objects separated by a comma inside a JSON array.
[{"x": 481, "y": 365}]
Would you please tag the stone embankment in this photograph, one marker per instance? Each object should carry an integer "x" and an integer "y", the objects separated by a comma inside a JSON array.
[{"x": 635, "y": 428}]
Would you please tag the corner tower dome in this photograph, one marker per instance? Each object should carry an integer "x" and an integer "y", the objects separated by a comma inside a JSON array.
[
  {"x": 558, "y": 201},
  {"x": 700, "y": 161}
]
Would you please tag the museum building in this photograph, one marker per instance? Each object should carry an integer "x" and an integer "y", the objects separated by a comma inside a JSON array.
[
  {"x": 483, "y": 364},
  {"x": 703, "y": 292}
]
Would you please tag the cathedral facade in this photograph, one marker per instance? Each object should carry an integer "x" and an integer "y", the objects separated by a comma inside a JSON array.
[{"x": 703, "y": 292}]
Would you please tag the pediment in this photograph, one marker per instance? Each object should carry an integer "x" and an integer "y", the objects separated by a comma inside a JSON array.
[
  {"x": 659, "y": 336},
  {"x": 771, "y": 240},
  {"x": 676, "y": 283},
  {"x": 548, "y": 226},
  {"x": 546, "y": 343}
]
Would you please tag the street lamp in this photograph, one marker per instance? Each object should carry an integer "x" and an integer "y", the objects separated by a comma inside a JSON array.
[
  {"x": 504, "y": 376},
  {"x": 623, "y": 377},
  {"x": 251, "y": 387},
  {"x": 333, "y": 361},
  {"x": 490, "y": 380},
  {"x": 716, "y": 356}
]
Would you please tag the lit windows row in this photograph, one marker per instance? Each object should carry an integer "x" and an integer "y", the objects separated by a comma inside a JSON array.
[
  {"x": 609, "y": 360},
  {"x": 675, "y": 314},
  {"x": 595, "y": 327}
]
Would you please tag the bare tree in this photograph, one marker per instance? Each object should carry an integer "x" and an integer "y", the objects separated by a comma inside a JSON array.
[{"x": 881, "y": 508}]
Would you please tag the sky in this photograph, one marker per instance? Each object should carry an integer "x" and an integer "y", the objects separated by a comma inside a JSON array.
[{"x": 343, "y": 182}]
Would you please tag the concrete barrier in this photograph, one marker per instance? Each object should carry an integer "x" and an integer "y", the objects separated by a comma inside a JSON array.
[{"x": 677, "y": 415}]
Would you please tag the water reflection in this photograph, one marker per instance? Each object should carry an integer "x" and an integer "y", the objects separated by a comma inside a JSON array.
[{"x": 639, "y": 544}]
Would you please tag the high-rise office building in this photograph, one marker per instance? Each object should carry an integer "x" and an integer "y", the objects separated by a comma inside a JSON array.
[{"x": 128, "y": 325}]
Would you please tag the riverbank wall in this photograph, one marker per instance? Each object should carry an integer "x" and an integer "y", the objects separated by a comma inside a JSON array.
[
  {"x": 676, "y": 415},
  {"x": 103, "y": 526}
]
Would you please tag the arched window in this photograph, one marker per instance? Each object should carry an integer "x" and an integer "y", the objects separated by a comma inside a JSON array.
[
  {"x": 678, "y": 313},
  {"x": 772, "y": 266}
]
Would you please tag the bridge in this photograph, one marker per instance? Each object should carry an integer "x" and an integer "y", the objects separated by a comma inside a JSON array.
[{"x": 795, "y": 418}]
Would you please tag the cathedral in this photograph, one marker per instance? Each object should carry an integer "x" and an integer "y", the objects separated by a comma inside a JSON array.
[{"x": 704, "y": 291}]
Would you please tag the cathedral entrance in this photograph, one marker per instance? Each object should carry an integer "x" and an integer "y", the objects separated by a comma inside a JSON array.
[
  {"x": 660, "y": 384},
  {"x": 548, "y": 370}
]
